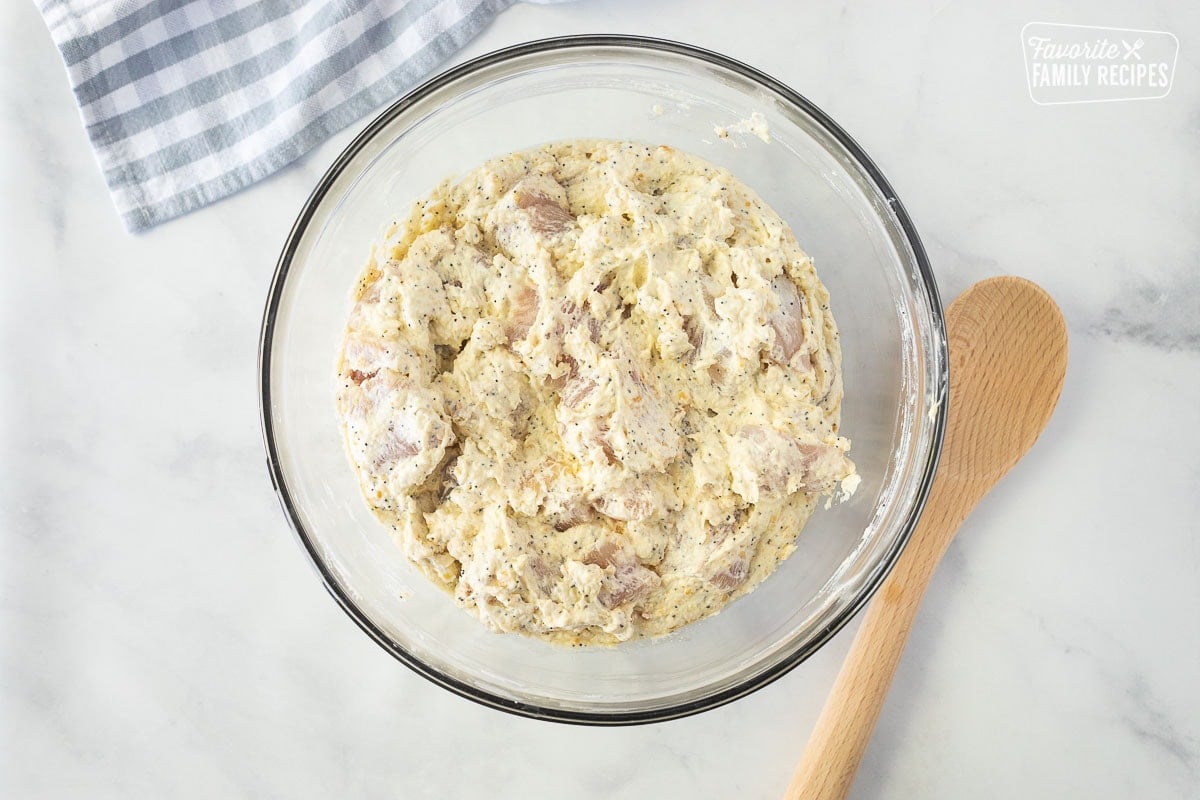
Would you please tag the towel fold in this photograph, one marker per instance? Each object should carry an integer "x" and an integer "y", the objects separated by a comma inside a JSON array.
[{"x": 187, "y": 102}]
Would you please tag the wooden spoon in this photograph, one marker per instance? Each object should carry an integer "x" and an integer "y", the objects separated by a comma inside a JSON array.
[{"x": 1008, "y": 357}]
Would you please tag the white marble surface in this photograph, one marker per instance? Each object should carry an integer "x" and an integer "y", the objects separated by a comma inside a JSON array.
[{"x": 162, "y": 635}]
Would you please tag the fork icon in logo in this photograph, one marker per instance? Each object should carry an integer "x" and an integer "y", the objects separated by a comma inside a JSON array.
[{"x": 1132, "y": 49}]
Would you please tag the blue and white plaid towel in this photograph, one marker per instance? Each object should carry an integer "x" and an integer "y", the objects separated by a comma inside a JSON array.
[{"x": 187, "y": 101}]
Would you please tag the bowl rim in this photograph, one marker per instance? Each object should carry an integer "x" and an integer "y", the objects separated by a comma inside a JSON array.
[{"x": 551, "y": 713}]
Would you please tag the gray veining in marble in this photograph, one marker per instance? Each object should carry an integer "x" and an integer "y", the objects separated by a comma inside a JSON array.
[{"x": 1163, "y": 315}]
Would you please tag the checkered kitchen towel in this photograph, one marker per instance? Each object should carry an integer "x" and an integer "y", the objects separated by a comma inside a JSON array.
[{"x": 187, "y": 101}]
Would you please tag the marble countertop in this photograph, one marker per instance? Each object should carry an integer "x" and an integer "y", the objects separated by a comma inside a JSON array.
[{"x": 161, "y": 634}]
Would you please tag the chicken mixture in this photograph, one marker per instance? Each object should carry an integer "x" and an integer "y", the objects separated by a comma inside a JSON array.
[{"x": 594, "y": 389}]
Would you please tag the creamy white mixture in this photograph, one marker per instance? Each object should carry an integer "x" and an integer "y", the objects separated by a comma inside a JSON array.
[
  {"x": 755, "y": 124},
  {"x": 594, "y": 388}
]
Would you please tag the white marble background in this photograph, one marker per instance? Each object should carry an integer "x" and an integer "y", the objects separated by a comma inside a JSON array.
[{"x": 162, "y": 635}]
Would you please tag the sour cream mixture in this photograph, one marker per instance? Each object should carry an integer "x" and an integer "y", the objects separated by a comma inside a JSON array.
[{"x": 594, "y": 389}]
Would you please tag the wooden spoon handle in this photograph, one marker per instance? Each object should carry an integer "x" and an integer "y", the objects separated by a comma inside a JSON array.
[{"x": 844, "y": 728}]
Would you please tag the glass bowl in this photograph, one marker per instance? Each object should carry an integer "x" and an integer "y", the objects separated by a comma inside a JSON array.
[{"x": 843, "y": 213}]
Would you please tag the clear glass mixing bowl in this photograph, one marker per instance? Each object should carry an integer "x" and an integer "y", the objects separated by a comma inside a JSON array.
[{"x": 843, "y": 213}]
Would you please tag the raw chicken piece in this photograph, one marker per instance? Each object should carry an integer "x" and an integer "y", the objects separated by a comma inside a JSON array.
[
  {"x": 401, "y": 427},
  {"x": 628, "y": 580},
  {"x": 633, "y": 501},
  {"x": 787, "y": 322},
  {"x": 363, "y": 358},
  {"x": 766, "y": 460},
  {"x": 522, "y": 313},
  {"x": 546, "y": 215},
  {"x": 610, "y": 413},
  {"x": 410, "y": 436},
  {"x": 572, "y": 515},
  {"x": 532, "y": 215},
  {"x": 732, "y": 576}
]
